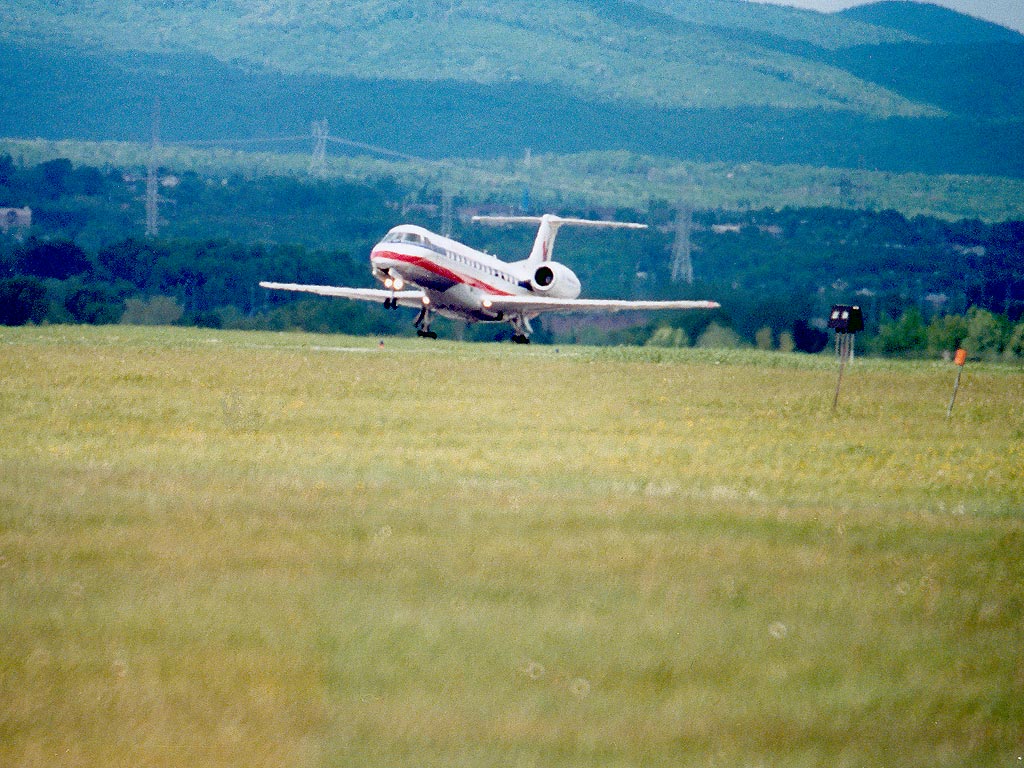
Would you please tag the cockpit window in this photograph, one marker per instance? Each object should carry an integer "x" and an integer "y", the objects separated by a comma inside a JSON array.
[{"x": 405, "y": 237}]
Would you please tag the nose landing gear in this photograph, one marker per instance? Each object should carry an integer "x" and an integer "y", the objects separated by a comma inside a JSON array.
[{"x": 393, "y": 283}]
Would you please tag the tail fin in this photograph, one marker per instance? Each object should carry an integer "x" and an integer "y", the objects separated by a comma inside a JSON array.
[{"x": 544, "y": 244}]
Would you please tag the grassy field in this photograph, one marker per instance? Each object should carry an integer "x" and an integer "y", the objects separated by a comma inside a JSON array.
[{"x": 231, "y": 549}]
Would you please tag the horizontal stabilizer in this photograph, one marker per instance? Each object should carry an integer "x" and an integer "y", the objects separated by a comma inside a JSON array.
[{"x": 558, "y": 221}]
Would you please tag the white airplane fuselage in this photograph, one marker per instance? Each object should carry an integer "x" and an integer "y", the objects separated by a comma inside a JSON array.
[{"x": 459, "y": 281}]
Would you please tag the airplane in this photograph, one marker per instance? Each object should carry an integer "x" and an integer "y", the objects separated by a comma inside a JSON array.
[{"x": 438, "y": 275}]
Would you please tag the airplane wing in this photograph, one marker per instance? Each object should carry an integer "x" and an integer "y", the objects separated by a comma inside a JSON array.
[
  {"x": 529, "y": 304},
  {"x": 405, "y": 298}
]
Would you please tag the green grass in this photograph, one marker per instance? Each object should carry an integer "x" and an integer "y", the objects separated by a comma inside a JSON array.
[{"x": 279, "y": 549}]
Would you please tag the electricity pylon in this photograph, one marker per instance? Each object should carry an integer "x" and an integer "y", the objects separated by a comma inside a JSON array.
[
  {"x": 682, "y": 265},
  {"x": 318, "y": 163},
  {"x": 152, "y": 177}
]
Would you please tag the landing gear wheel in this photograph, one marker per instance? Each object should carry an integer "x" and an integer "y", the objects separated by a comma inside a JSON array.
[
  {"x": 521, "y": 328},
  {"x": 422, "y": 323}
]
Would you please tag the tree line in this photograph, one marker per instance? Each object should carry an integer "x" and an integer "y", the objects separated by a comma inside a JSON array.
[
  {"x": 775, "y": 272},
  {"x": 983, "y": 334},
  {"x": 209, "y": 283},
  {"x": 214, "y": 284}
]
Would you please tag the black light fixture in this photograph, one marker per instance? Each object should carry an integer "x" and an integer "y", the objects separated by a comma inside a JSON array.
[{"x": 845, "y": 318}]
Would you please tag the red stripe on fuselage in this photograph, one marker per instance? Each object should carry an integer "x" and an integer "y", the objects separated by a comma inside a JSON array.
[{"x": 422, "y": 262}]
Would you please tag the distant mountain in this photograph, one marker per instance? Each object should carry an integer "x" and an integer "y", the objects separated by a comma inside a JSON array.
[
  {"x": 680, "y": 53},
  {"x": 703, "y": 80},
  {"x": 931, "y": 23},
  {"x": 980, "y": 80},
  {"x": 963, "y": 65}
]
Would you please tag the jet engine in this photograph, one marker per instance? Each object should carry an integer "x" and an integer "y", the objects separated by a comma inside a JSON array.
[{"x": 555, "y": 280}]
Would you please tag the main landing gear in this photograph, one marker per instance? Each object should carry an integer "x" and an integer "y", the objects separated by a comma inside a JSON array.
[
  {"x": 521, "y": 326},
  {"x": 422, "y": 323}
]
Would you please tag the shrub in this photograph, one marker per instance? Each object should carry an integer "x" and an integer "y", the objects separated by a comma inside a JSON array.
[
  {"x": 986, "y": 334},
  {"x": 1015, "y": 346},
  {"x": 157, "y": 310},
  {"x": 22, "y": 300},
  {"x": 946, "y": 334},
  {"x": 719, "y": 337},
  {"x": 906, "y": 335},
  {"x": 667, "y": 336}
]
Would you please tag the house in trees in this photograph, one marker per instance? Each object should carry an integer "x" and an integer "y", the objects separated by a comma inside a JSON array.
[{"x": 15, "y": 220}]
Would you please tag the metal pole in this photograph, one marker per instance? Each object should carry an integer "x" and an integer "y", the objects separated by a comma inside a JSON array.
[
  {"x": 960, "y": 360},
  {"x": 956, "y": 386},
  {"x": 843, "y": 352}
]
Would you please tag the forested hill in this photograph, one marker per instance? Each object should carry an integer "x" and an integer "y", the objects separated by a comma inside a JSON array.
[
  {"x": 890, "y": 88},
  {"x": 962, "y": 65},
  {"x": 931, "y": 23},
  {"x": 683, "y": 53}
]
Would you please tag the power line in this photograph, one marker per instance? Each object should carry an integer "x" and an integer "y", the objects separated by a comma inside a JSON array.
[
  {"x": 317, "y": 165},
  {"x": 320, "y": 136},
  {"x": 373, "y": 148},
  {"x": 219, "y": 142}
]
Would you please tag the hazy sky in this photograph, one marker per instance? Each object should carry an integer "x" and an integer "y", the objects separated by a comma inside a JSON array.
[{"x": 1009, "y": 13}]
